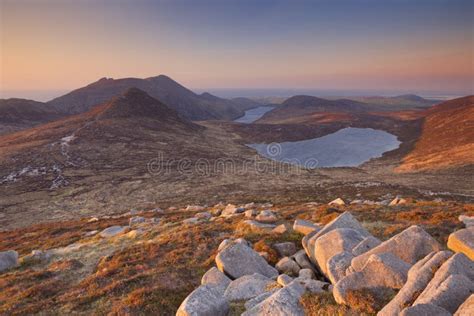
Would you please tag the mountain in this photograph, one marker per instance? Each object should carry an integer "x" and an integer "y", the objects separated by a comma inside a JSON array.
[
  {"x": 246, "y": 103},
  {"x": 447, "y": 138},
  {"x": 396, "y": 103},
  {"x": 17, "y": 114},
  {"x": 303, "y": 105},
  {"x": 188, "y": 104}
]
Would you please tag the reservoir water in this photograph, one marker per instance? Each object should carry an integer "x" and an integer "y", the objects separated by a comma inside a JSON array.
[{"x": 254, "y": 114}]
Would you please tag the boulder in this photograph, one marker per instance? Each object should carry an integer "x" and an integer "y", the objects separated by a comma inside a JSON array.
[
  {"x": 451, "y": 285},
  {"x": 463, "y": 241},
  {"x": 231, "y": 209},
  {"x": 8, "y": 259},
  {"x": 334, "y": 242},
  {"x": 203, "y": 215},
  {"x": 304, "y": 227},
  {"x": 419, "y": 276},
  {"x": 266, "y": 216},
  {"x": 195, "y": 208},
  {"x": 224, "y": 244},
  {"x": 112, "y": 231},
  {"x": 381, "y": 272},
  {"x": 281, "y": 229},
  {"x": 206, "y": 300},
  {"x": 247, "y": 287},
  {"x": 337, "y": 201},
  {"x": 215, "y": 277},
  {"x": 425, "y": 310},
  {"x": 238, "y": 260},
  {"x": 337, "y": 265},
  {"x": 306, "y": 274},
  {"x": 467, "y": 220},
  {"x": 288, "y": 266},
  {"x": 258, "y": 227},
  {"x": 249, "y": 205},
  {"x": 250, "y": 213},
  {"x": 365, "y": 245},
  {"x": 283, "y": 302},
  {"x": 410, "y": 245},
  {"x": 243, "y": 241},
  {"x": 397, "y": 201},
  {"x": 312, "y": 286},
  {"x": 191, "y": 221},
  {"x": 285, "y": 249},
  {"x": 302, "y": 260},
  {"x": 467, "y": 308},
  {"x": 284, "y": 279},
  {"x": 260, "y": 298},
  {"x": 136, "y": 220}
]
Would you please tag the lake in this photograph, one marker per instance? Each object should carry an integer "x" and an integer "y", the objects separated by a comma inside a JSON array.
[
  {"x": 348, "y": 147},
  {"x": 252, "y": 115}
]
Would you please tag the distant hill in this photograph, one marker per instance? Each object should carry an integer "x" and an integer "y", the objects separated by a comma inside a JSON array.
[
  {"x": 247, "y": 103},
  {"x": 187, "y": 103},
  {"x": 396, "y": 103},
  {"x": 447, "y": 139},
  {"x": 17, "y": 114}
]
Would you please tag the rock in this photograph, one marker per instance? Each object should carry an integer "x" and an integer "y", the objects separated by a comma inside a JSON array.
[
  {"x": 410, "y": 245},
  {"x": 425, "y": 310},
  {"x": 312, "y": 286},
  {"x": 419, "y": 276},
  {"x": 8, "y": 259},
  {"x": 337, "y": 201},
  {"x": 249, "y": 205},
  {"x": 266, "y": 205},
  {"x": 284, "y": 279},
  {"x": 206, "y": 300},
  {"x": 302, "y": 260},
  {"x": 216, "y": 213},
  {"x": 247, "y": 287},
  {"x": 345, "y": 220},
  {"x": 462, "y": 241},
  {"x": 306, "y": 274},
  {"x": 136, "y": 220},
  {"x": 203, "y": 215},
  {"x": 288, "y": 266},
  {"x": 334, "y": 242},
  {"x": 238, "y": 260},
  {"x": 285, "y": 249},
  {"x": 172, "y": 208},
  {"x": 264, "y": 254},
  {"x": 451, "y": 285},
  {"x": 365, "y": 245},
  {"x": 467, "y": 220},
  {"x": 134, "y": 233},
  {"x": 283, "y": 302},
  {"x": 154, "y": 220},
  {"x": 243, "y": 242},
  {"x": 260, "y": 298},
  {"x": 467, "y": 308},
  {"x": 231, "y": 209},
  {"x": 215, "y": 277},
  {"x": 91, "y": 233},
  {"x": 381, "y": 271},
  {"x": 191, "y": 220},
  {"x": 304, "y": 227},
  {"x": 356, "y": 202},
  {"x": 337, "y": 265},
  {"x": 224, "y": 244},
  {"x": 195, "y": 208},
  {"x": 266, "y": 216},
  {"x": 397, "y": 201},
  {"x": 258, "y": 227},
  {"x": 158, "y": 210},
  {"x": 281, "y": 229},
  {"x": 250, "y": 213},
  {"x": 93, "y": 219},
  {"x": 112, "y": 231}
]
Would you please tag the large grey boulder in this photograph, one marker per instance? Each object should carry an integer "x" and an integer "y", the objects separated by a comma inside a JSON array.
[
  {"x": 284, "y": 302},
  {"x": 238, "y": 260},
  {"x": 463, "y": 241},
  {"x": 451, "y": 285},
  {"x": 410, "y": 245},
  {"x": 302, "y": 260},
  {"x": 419, "y": 276},
  {"x": 334, "y": 242},
  {"x": 206, "y": 300},
  {"x": 215, "y": 277},
  {"x": 467, "y": 308},
  {"x": 247, "y": 287},
  {"x": 381, "y": 271},
  {"x": 8, "y": 259},
  {"x": 258, "y": 299},
  {"x": 345, "y": 220},
  {"x": 365, "y": 245},
  {"x": 305, "y": 227},
  {"x": 425, "y": 310},
  {"x": 337, "y": 265},
  {"x": 112, "y": 231},
  {"x": 266, "y": 216},
  {"x": 288, "y": 266},
  {"x": 285, "y": 249}
]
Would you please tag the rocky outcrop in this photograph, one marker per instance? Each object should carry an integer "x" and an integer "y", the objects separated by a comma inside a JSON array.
[
  {"x": 381, "y": 271},
  {"x": 206, "y": 300},
  {"x": 467, "y": 308},
  {"x": 410, "y": 245},
  {"x": 463, "y": 241},
  {"x": 419, "y": 276},
  {"x": 8, "y": 259},
  {"x": 304, "y": 227},
  {"x": 425, "y": 310},
  {"x": 238, "y": 260},
  {"x": 247, "y": 287},
  {"x": 365, "y": 245}
]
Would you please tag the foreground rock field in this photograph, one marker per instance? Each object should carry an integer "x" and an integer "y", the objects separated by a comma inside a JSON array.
[{"x": 391, "y": 256}]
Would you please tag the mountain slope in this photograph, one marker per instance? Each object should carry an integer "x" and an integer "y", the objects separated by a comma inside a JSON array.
[
  {"x": 400, "y": 102},
  {"x": 447, "y": 139},
  {"x": 184, "y": 101}
]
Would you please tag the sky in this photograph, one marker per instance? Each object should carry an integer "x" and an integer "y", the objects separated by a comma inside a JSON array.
[{"x": 393, "y": 45}]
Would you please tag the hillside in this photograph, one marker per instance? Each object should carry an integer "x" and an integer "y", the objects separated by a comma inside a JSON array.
[
  {"x": 17, "y": 114},
  {"x": 184, "y": 101},
  {"x": 447, "y": 138},
  {"x": 396, "y": 103}
]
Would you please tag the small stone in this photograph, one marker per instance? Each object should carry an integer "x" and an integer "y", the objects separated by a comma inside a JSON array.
[
  {"x": 306, "y": 274},
  {"x": 191, "y": 220},
  {"x": 397, "y": 201},
  {"x": 266, "y": 216},
  {"x": 250, "y": 213},
  {"x": 258, "y": 227},
  {"x": 462, "y": 241},
  {"x": 91, "y": 233},
  {"x": 194, "y": 208},
  {"x": 203, "y": 215},
  {"x": 284, "y": 279},
  {"x": 302, "y": 260},
  {"x": 8, "y": 259},
  {"x": 215, "y": 277},
  {"x": 93, "y": 219},
  {"x": 337, "y": 201},
  {"x": 136, "y": 220},
  {"x": 112, "y": 231},
  {"x": 288, "y": 266},
  {"x": 305, "y": 227},
  {"x": 285, "y": 249},
  {"x": 247, "y": 287},
  {"x": 281, "y": 229}
]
